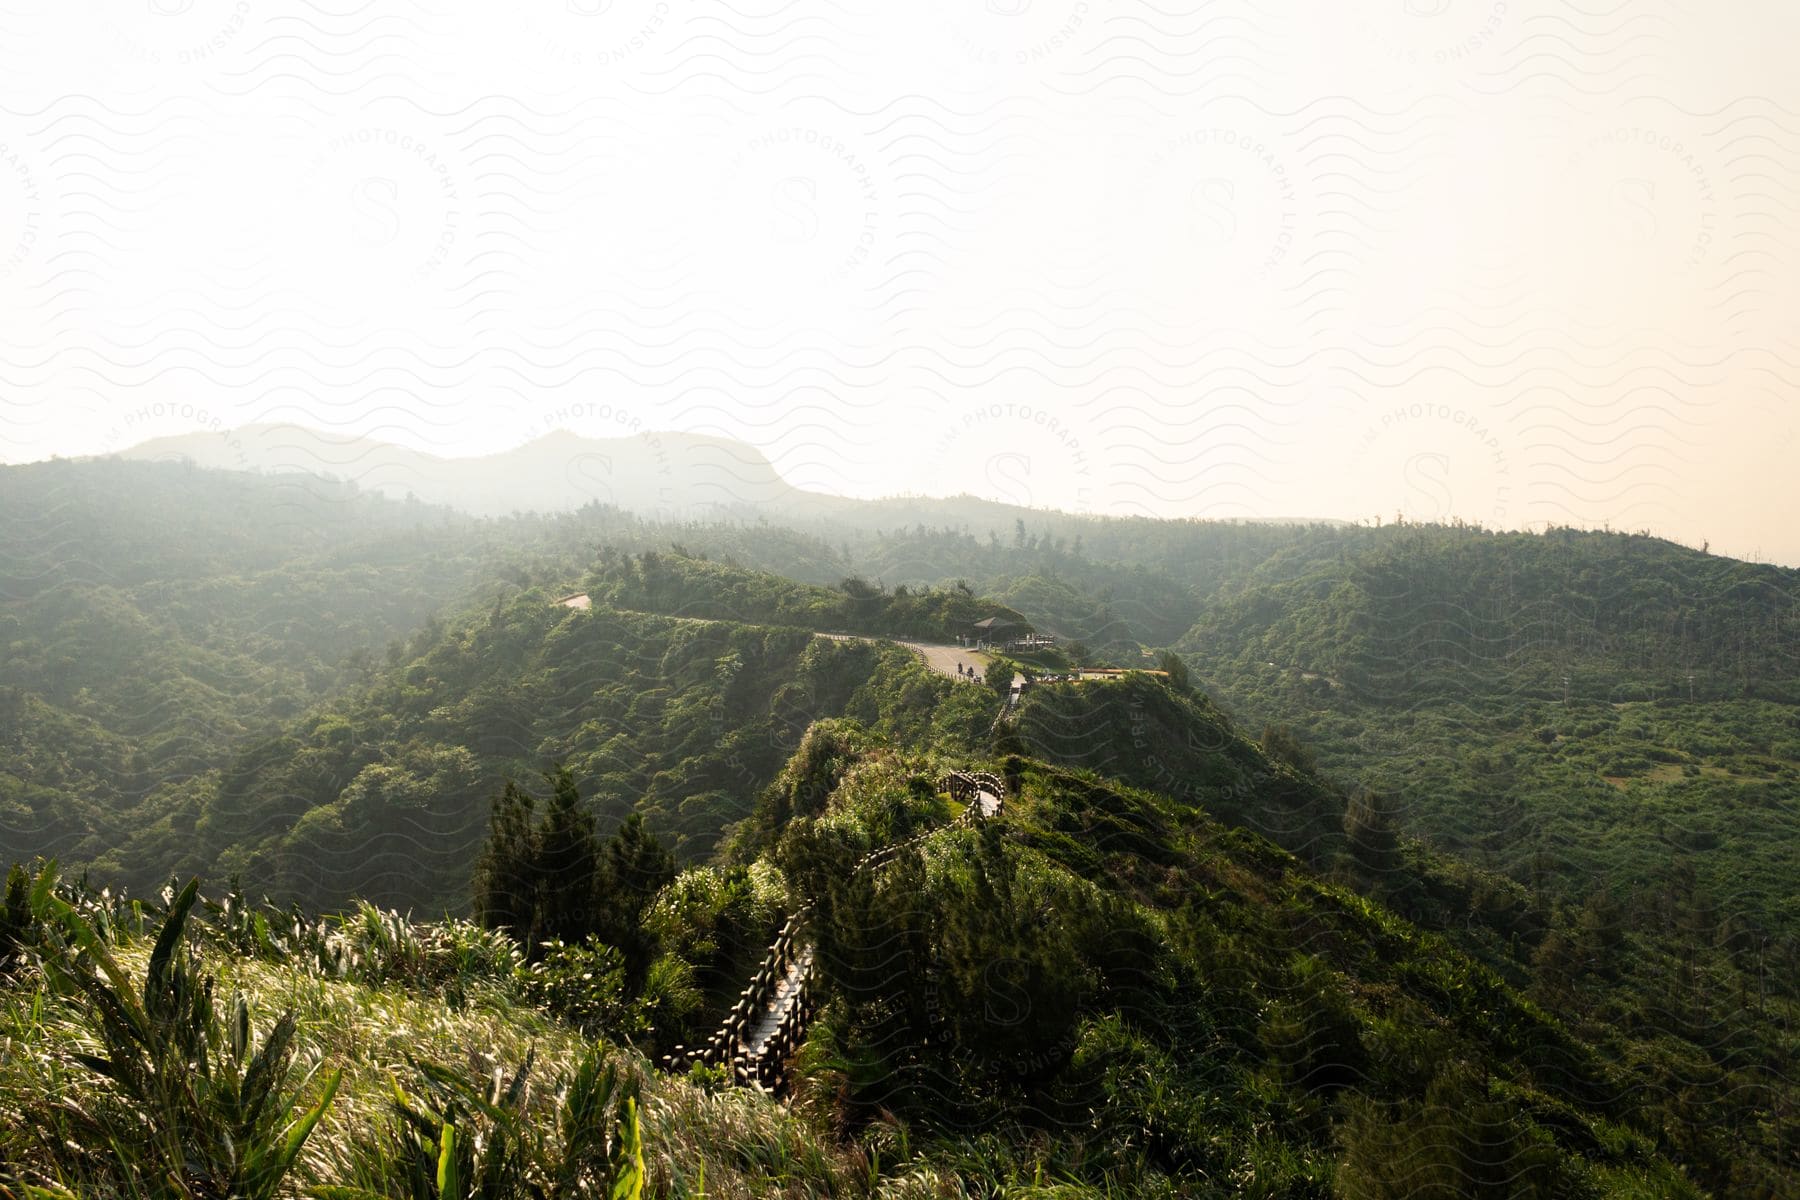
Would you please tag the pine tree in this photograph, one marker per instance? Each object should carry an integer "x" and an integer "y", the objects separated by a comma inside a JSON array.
[
  {"x": 634, "y": 868},
  {"x": 1178, "y": 677},
  {"x": 568, "y": 862},
  {"x": 539, "y": 880},
  {"x": 505, "y": 876}
]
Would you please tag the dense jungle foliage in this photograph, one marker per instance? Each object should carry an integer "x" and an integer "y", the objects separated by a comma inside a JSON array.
[{"x": 1464, "y": 851}]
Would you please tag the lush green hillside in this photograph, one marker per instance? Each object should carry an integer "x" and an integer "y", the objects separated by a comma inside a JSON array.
[
  {"x": 1571, "y": 708},
  {"x": 1661, "y": 821},
  {"x": 1176, "y": 742},
  {"x": 1149, "y": 735},
  {"x": 1433, "y": 669},
  {"x": 1103, "y": 991},
  {"x": 383, "y": 793},
  {"x": 681, "y": 584},
  {"x": 1143, "y": 996},
  {"x": 1397, "y": 612},
  {"x": 152, "y": 618},
  {"x": 157, "y": 620},
  {"x": 1454, "y": 614}
]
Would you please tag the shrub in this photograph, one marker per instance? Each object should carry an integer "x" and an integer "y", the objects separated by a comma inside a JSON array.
[
  {"x": 584, "y": 984},
  {"x": 1281, "y": 744},
  {"x": 1369, "y": 825},
  {"x": 1458, "y": 1144},
  {"x": 1312, "y": 1033},
  {"x": 18, "y": 928}
]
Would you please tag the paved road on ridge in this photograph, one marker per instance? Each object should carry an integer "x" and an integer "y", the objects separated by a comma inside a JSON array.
[
  {"x": 942, "y": 658},
  {"x": 945, "y": 659}
]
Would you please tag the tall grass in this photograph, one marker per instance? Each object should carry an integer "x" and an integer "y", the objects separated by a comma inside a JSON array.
[
  {"x": 175, "y": 1048},
  {"x": 455, "y": 1140},
  {"x": 193, "y": 1104}
]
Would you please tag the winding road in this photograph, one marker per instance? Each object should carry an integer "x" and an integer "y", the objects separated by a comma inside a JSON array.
[{"x": 942, "y": 658}]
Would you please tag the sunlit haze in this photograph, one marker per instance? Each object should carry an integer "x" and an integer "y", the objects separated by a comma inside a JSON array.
[{"x": 1521, "y": 264}]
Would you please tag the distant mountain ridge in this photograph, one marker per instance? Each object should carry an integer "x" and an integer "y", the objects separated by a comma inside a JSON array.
[{"x": 656, "y": 474}]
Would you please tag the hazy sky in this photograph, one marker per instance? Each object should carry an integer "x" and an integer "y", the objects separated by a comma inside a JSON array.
[{"x": 1518, "y": 263}]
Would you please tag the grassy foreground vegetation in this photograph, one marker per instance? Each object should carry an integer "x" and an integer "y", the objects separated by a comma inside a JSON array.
[{"x": 170, "y": 1049}]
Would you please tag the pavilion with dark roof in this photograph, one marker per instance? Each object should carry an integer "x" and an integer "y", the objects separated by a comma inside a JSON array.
[{"x": 997, "y": 631}]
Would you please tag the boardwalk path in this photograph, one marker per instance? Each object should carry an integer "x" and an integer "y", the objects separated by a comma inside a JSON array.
[
  {"x": 768, "y": 1024},
  {"x": 787, "y": 993}
]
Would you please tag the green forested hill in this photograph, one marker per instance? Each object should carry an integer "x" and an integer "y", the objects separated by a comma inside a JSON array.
[
  {"x": 1114, "y": 585},
  {"x": 153, "y": 617},
  {"x": 1396, "y": 611},
  {"x": 321, "y": 692},
  {"x": 1452, "y": 613},
  {"x": 1430, "y": 664},
  {"x": 1141, "y": 994},
  {"x": 680, "y": 584},
  {"x": 1582, "y": 710},
  {"x": 383, "y": 794},
  {"x": 680, "y": 715},
  {"x": 1671, "y": 952},
  {"x": 155, "y": 620}
]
